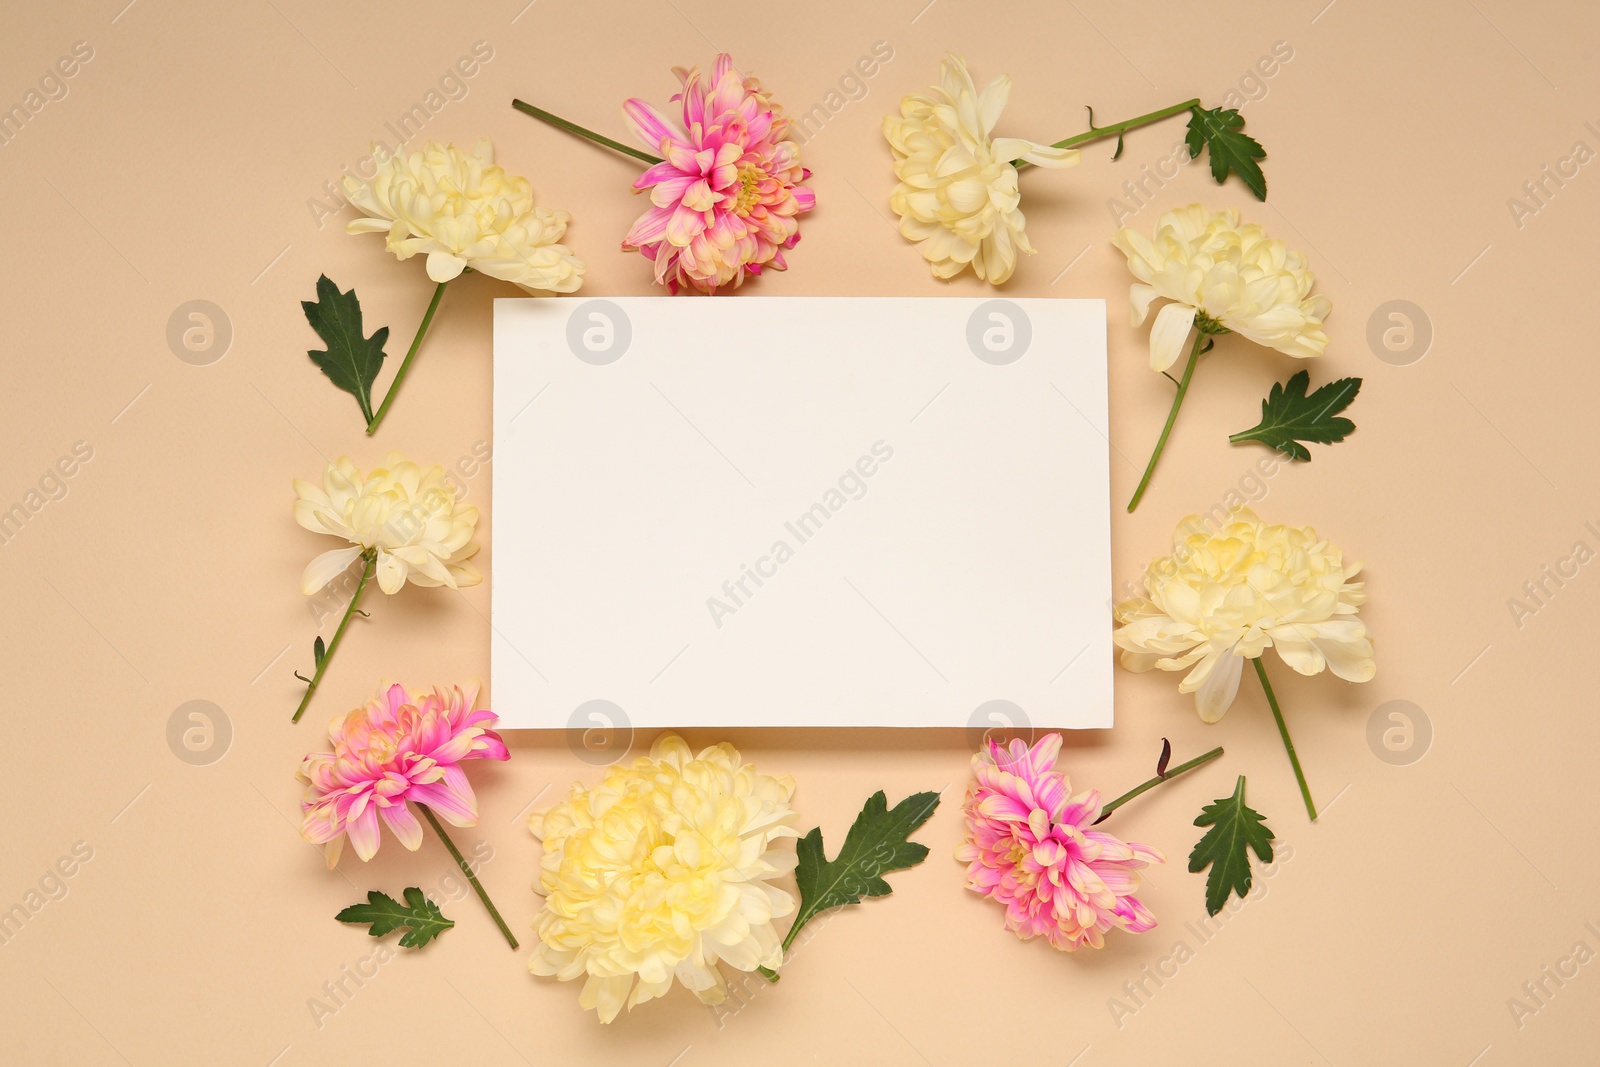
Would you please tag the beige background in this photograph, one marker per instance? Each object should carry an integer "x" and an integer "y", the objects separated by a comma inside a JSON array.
[{"x": 179, "y": 167}]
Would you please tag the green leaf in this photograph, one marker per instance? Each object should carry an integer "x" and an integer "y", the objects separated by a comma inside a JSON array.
[
  {"x": 351, "y": 361},
  {"x": 421, "y": 916},
  {"x": 1235, "y": 831},
  {"x": 319, "y": 652},
  {"x": 1218, "y": 132},
  {"x": 1289, "y": 416},
  {"x": 876, "y": 844}
]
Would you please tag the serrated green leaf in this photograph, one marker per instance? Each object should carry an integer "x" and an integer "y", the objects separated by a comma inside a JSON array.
[
  {"x": 351, "y": 360},
  {"x": 876, "y": 844},
  {"x": 1289, "y": 416},
  {"x": 1217, "y": 130},
  {"x": 319, "y": 652},
  {"x": 421, "y": 916},
  {"x": 1235, "y": 831}
]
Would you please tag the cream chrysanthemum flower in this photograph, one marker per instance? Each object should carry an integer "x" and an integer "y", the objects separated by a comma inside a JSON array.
[
  {"x": 659, "y": 872},
  {"x": 1222, "y": 598},
  {"x": 958, "y": 196},
  {"x": 1234, "y": 276},
  {"x": 464, "y": 211},
  {"x": 405, "y": 515}
]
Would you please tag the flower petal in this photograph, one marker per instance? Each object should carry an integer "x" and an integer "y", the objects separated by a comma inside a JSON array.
[
  {"x": 1215, "y": 695},
  {"x": 1168, "y": 333},
  {"x": 326, "y": 567}
]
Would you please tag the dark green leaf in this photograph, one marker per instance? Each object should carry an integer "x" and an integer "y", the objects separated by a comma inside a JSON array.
[
  {"x": 319, "y": 652},
  {"x": 1218, "y": 131},
  {"x": 351, "y": 361},
  {"x": 1289, "y": 416},
  {"x": 419, "y": 915},
  {"x": 1235, "y": 831},
  {"x": 876, "y": 844}
]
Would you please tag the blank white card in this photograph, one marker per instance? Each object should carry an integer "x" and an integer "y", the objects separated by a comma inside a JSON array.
[{"x": 757, "y": 511}]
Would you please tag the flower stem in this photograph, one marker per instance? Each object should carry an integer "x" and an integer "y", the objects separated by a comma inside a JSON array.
[
  {"x": 572, "y": 127},
  {"x": 1172, "y": 417},
  {"x": 768, "y": 973},
  {"x": 1157, "y": 780},
  {"x": 370, "y": 562},
  {"x": 1283, "y": 730},
  {"x": 461, "y": 862},
  {"x": 1096, "y": 133},
  {"x": 400, "y": 375}
]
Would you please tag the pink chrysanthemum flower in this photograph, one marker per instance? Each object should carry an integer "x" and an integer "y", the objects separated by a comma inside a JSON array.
[
  {"x": 1031, "y": 845},
  {"x": 400, "y": 747},
  {"x": 727, "y": 195}
]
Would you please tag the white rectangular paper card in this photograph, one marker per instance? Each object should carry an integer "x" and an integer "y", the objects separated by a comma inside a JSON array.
[{"x": 756, "y": 511}]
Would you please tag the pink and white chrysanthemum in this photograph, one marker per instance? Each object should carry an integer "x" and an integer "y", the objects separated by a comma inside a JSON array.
[
  {"x": 401, "y": 747},
  {"x": 727, "y": 195},
  {"x": 1032, "y": 846}
]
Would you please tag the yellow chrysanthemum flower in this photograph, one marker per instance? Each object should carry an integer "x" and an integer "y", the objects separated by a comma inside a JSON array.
[
  {"x": 958, "y": 196},
  {"x": 1222, "y": 598},
  {"x": 1236, "y": 276},
  {"x": 659, "y": 872},
  {"x": 405, "y": 516},
  {"x": 464, "y": 211}
]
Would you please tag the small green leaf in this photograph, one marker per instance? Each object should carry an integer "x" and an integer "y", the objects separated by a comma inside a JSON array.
[
  {"x": 876, "y": 844},
  {"x": 1289, "y": 416},
  {"x": 319, "y": 652},
  {"x": 1235, "y": 831},
  {"x": 421, "y": 916},
  {"x": 351, "y": 361},
  {"x": 1217, "y": 130}
]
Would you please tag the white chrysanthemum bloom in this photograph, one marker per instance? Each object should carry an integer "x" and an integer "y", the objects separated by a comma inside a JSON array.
[
  {"x": 464, "y": 211},
  {"x": 957, "y": 196},
  {"x": 659, "y": 872},
  {"x": 1222, "y": 598},
  {"x": 1235, "y": 276},
  {"x": 407, "y": 515}
]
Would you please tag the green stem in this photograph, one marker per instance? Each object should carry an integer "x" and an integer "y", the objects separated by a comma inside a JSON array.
[
  {"x": 461, "y": 862},
  {"x": 1096, "y": 133},
  {"x": 400, "y": 375},
  {"x": 1283, "y": 731},
  {"x": 1172, "y": 417},
  {"x": 788, "y": 939},
  {"x": 572, "y": 127},
  {"x": 1157, "y": 780},
  {"x": 371, "y": 558}
]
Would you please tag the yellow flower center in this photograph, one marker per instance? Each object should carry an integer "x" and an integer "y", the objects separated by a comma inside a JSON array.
[
  {"x": 382, "y": 748},
  {"x": 750, "y": 179}
]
